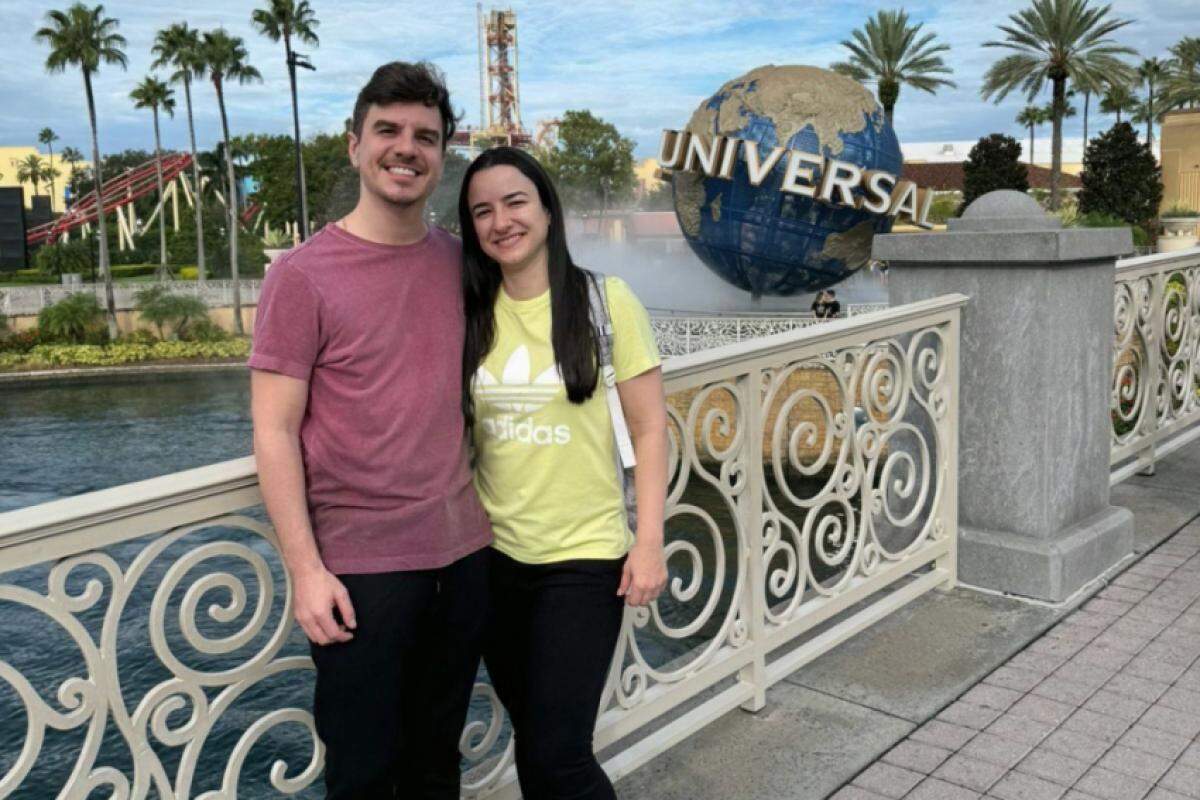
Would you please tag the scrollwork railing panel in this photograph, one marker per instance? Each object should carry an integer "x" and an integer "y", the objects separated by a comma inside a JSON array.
[
  {"x": 1156, "y": 355},
  {"x": 176, "y": 643},
  {"x": 805, "y": 470}
]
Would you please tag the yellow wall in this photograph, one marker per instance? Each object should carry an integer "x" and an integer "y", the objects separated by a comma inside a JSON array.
[
  {"x": 8, "y": 173},
  {"x": 1181, "y": 159},
  {"x": 646, "y": 174}
]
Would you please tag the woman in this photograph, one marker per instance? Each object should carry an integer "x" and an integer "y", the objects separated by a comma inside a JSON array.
[{"x": 565, "y": 561}]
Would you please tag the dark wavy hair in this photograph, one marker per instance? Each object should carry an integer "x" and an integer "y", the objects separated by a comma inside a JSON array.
[
  {"x": 575, "y": 348},
  {"x": 404, "y": 82}
]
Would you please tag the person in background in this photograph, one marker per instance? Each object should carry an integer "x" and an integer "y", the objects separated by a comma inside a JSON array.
[
  {"x": 820, "y": 305},
  {"x": 833, "y": 309}
]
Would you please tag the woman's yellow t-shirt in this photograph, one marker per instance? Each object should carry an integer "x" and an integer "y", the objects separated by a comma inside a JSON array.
[{"x": 546, "y": 467}]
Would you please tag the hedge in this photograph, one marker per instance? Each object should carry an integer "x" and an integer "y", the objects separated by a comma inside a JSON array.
[
  {"x": 86, "y": 355},
  {"x": 133, "y": 270}
]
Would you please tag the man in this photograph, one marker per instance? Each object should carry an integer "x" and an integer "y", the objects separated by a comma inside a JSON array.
[{"x": 358, "y": 433}]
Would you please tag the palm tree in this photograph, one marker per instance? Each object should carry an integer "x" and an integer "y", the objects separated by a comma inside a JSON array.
[
  {"x": 223, "y": 57},
  {"x": 153, "y": 94},
  {"x": 30, "y": 170},
  {"x": 1151, "y": 71},
  {"x": 287, "y": 19},
  {"x": 1087, "y": 101},
  {"x": 1059, "y": 41},
  {"x": 178, "y": 46},
  {"x": 1182, "y": 87},
  {"x": 48, "y": 137},
  {"x": 71, "y": 157},
  {"x": 1118, "y": 99},
  {"x": 887, "y": 50},
  {"x": 84, "y": 37},
  {"x": 1030, "y": 117}
]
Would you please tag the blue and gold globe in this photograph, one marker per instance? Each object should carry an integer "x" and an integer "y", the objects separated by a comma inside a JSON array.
[{"x": 770, "y": 242}]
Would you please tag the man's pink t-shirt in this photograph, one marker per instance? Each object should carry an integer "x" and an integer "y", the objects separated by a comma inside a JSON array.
[{"x": 377, "y": 331}]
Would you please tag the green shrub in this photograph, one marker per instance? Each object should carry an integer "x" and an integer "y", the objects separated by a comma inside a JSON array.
[
  {"x": 63, "y": 355},
  {"x": 942, "y": 209},
  {"x": 1100, "y": 219},
  {"x": 1180, "y": 210},
  {"x": 205, "y": 330},
  {"x": 77, "y": 319},
  {"x": 20, "y": 341},
  {"x": 993, "y": 163},
  {"x": 64, "y": 257},
  {"x": 160, "y": 307},
  {"x": 1120, "y": 177},
  {"x": 139, "y": 336},
  {"x": 133, "y": 270},
  {"x": 25, "y": 277}
]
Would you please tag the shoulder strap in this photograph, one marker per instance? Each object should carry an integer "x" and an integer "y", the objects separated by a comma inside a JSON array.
[{"x": 602, "y": 323}]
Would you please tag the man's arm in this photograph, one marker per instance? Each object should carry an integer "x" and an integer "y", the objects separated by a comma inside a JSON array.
[{"x": 277, "y": 405}]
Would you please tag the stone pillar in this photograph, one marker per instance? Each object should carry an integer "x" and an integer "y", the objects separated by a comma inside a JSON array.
[{"x": 1036, "y": 371}]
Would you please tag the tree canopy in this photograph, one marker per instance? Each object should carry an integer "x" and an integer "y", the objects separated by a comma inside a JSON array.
[
  {"x": 592, "y": 164},
  {"x": 993, "y": 163},
  {"x": 1121, "y": 177}
]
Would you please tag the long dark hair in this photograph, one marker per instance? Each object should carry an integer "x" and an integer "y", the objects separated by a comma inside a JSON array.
[{"x": 571, "y": 333}]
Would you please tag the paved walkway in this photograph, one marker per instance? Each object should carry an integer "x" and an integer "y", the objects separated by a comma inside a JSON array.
[
  {"x": 1104, "y": 706},
  {"x": 1023, "y": 673}
]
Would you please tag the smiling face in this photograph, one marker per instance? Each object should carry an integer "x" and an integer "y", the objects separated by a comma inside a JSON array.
[
  {"x": 509, "y": 218},
  {"x": 399, "y": 154}
]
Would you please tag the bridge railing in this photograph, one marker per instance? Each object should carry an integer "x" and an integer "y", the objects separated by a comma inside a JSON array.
[
  {"x": 1155, "y": 399},
  {"x": 148, "y": 638},
  {"x": 681, "y": 334}
]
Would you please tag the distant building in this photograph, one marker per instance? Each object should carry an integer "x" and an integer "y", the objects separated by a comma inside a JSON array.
[
  {"x": 658, "y": 231},
  {"x": 645, "y": 175},
  {"x": 948, "y": 176},
  {"x": 8, "y": 173},
  {"x": 1180, "y": 137}
]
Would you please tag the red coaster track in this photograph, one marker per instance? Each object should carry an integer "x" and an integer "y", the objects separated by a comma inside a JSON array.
[{"x": 116, "y": 192}]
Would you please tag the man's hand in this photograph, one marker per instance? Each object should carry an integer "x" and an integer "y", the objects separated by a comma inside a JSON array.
[
  {"x": 318, "y": 592},
  {"x": 645, "y": 574}
]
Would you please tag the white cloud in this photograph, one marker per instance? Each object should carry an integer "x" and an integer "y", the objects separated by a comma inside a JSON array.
[{"x": 642, "y": 65}]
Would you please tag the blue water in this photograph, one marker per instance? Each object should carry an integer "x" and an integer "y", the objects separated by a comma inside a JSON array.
[{"x": 65, "y": 440}]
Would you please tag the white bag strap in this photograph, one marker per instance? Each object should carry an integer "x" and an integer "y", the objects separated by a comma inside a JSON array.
[{"x": 604, "y": 336}]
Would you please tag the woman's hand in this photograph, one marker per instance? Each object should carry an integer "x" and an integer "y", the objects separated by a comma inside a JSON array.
[{"x": 645, "y": 573}]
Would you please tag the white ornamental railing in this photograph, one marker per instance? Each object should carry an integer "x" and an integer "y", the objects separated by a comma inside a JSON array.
[
  {"x": 813, "y": 491},
  {"x": 1155, "y": 400},
  {"x": 680, "y": 334},
  {"x": 30, "y": 300}
]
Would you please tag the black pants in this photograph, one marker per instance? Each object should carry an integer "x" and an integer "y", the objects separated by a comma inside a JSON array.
[
  {"x": 549, "y": 646},
  {"x": 391, "y": 703}
]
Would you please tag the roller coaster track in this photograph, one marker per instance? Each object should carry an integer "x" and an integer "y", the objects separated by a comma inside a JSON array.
[{"x": 116, "y": 193}]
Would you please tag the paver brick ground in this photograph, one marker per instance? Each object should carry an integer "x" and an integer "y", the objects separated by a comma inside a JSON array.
[{"x": 1104, "y": 706}]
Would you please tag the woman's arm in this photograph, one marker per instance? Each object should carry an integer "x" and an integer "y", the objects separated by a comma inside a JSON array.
[{"x": 645, "y": 408}]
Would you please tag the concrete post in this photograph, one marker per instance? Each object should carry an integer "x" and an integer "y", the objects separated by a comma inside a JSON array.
[{"x": 1036, "y": 371}]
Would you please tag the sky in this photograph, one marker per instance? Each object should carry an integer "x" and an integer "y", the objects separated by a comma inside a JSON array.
[{"x": 643, "y": 65}]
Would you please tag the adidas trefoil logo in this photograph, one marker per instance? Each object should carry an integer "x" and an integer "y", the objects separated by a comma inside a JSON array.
[
  {"x": 515, "y": 393},
  {"x": 516, "y": 397}
]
